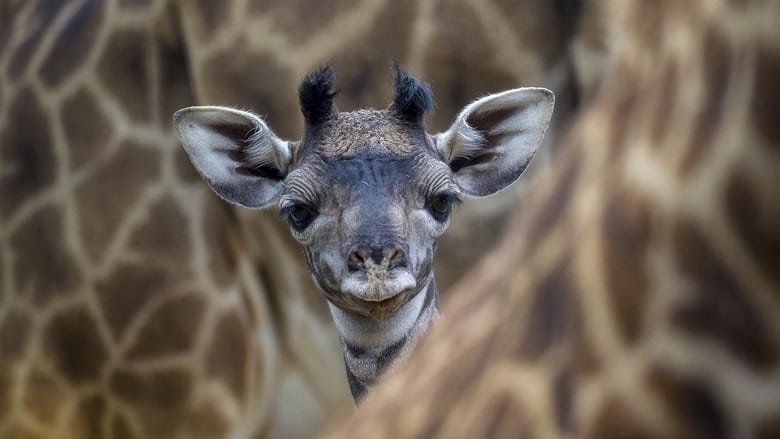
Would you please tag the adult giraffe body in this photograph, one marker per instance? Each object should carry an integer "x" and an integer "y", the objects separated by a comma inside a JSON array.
[
  {"x": 132, "y": 303},
  {"x": 638, "y": 294}
]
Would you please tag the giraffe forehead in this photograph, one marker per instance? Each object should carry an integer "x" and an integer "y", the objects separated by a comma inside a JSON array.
[
  {"x": 364, "y": 132},
  {"x": 369, "y": 176},
  {"x": 373, "y": 171}
]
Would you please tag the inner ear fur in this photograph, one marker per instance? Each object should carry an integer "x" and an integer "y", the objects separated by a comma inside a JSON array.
[
  {"x": 493, "y": 139},
  {"x": 235, "y": 152}
]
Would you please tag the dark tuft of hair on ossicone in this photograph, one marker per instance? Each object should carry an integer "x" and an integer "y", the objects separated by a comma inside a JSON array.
[
  {"x": 413, "y": 98},
  {"x": 316, "y": 95}
]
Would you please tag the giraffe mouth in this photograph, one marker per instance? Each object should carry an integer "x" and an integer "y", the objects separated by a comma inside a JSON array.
[
  {"x": 377, "y": 297},
  {"x": 377, "y": 288},
  {"x": 377, "y": 310}
]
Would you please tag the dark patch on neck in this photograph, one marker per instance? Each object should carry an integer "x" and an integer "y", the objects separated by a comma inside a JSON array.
[
  {"x": 389, "y": 354},
  {"x": 354, "y": 350},
  {"x": 413, "y": 98},
  {"x": 316, "y": 95},
  {"x": 358, "y": 390}
]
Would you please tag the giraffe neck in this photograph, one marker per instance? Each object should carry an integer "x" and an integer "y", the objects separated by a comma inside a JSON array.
[{"x": 372, "y": 347}]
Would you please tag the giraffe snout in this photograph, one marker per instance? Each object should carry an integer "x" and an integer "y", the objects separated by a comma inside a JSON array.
[{"x": 366, "y": 257}]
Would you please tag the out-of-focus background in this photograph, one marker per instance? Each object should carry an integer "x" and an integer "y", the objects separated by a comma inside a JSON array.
[{"x": 135, "y": 303}]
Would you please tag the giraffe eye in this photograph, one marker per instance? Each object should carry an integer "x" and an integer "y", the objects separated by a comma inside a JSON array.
[
  {"x": 299, "y": 216},
  {"x": 440, "y": 205}
]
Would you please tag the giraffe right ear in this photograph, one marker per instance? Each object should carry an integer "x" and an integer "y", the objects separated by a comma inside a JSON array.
[
  {"x": 240, "y": 158},
  {"x": 493, "y": 139}
]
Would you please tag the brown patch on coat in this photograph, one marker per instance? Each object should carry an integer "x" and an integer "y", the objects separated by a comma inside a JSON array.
[
  {"x": 766, "y": 95},
  {"x": 692, "y": 404},
  {"x": 108, "y": 196},
  {"x": 363, "y": 64},
  {"x": 626, "y": 232},
  {"x": 44, "y": 266},
  {"x": 158, "y": 399},
  {"x": 552, "y": 206},
  {"x": 134, "y": 4},
  {"x": 270, "y": 92},
  {"x": 42, "y": 18},
  {"x": 719, "y": 309},
  {"x": 452, "y": 63},
  {"x": 125, "y": 72},
  {"x": 218, "y": 221},
  {"x": 73, "y": 345},
  {"x": 205, "y": 420},
  {"x": 299, "y": 20},
  {"x": 15, "y": 328},
  {"x": 28, "y": 160},
  {"x": 551, "y": 314},
  {"x": 87, "y": 421},
  {"x": 227, "y": 356},
  {"x": 754, "y": 222},
  {"x": 502, "y": 416},
  {"x": 210, "y": 17},
  {"x": 165, "y": 236},
  {"x": 171, "y": 329},
  {"x": 125, "y": 292},
  {"x": 73, "y": 44},
  {"x": 121, "y": 427},
  {"x": 175, "y": 83},
  {"x": 87, "y": 129},
  {"x": 7, "y": 384},
  {"x": 615, "y": 420},
  {"x": 768, "y": 428}
]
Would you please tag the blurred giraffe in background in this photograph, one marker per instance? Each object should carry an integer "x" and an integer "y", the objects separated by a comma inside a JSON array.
[
  {"x": 638, "y": 293},
  {"x": 132, "y": 302}
]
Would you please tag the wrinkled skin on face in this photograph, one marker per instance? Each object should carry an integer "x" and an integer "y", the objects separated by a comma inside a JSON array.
[
  {"x": 368, "y": 193},
  {"x": 394, "y": 206}
]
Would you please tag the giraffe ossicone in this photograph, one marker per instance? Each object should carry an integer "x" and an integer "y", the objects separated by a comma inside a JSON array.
[{"x": 368, "y": 193}]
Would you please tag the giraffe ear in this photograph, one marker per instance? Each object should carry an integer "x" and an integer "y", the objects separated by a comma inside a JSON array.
[
  {"x": 493, "y": 140},
  {"x": 240, "y": 158}
]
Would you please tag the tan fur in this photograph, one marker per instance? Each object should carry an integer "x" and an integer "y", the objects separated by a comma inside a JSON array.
[{"x": 132, "y": 303}]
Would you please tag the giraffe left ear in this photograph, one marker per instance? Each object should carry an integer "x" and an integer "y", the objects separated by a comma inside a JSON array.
[
  {"x": 493, "y": 140},
  {"x": 240, "y": 158}
]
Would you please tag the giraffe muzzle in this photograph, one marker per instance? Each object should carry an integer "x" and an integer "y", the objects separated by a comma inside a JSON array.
[{"x": 377, "y": 284}]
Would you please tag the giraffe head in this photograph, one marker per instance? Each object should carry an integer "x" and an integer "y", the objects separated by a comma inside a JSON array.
[{"x": 368, "y": 192}]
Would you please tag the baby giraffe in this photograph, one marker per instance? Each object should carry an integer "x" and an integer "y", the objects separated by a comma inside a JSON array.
[{"x": 368, "y": 193}]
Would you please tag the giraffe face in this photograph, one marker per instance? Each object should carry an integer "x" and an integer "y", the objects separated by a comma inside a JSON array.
[
  {"x": 368, "y": 192},
  {"x": 369, "y": 223}
]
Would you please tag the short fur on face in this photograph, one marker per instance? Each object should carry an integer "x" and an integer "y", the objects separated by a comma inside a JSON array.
[
  {"x": 367, "y": 176},
  {"x": 367, "y": 193}
]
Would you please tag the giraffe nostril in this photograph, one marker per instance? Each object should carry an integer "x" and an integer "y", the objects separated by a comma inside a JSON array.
[
  {"x": 357, "y": 259},
  {"x": 397, "y": 258},
  {"x": 388, "y": 256}
]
